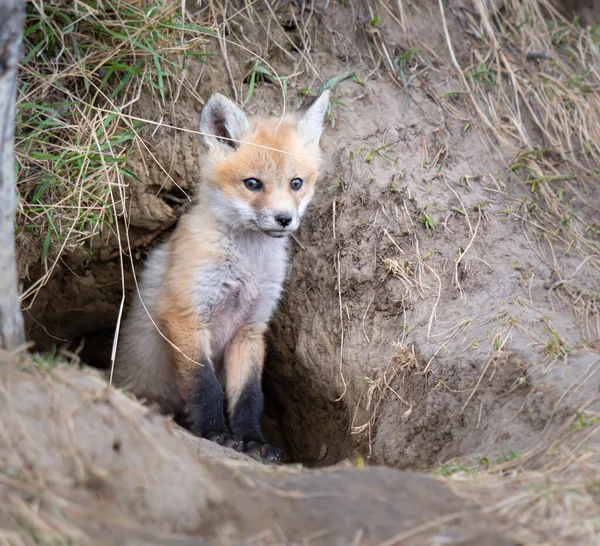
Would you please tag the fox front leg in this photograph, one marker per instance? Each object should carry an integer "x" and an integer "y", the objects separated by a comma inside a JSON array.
[
  {"x": 244, "y": 359},
  {"x": 196, "y": 378}
]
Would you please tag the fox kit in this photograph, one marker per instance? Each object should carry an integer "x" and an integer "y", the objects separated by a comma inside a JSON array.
[{"x": 195, "y": 344}]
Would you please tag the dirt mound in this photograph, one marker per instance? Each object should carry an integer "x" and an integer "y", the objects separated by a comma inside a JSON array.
[{"x": 71, "y": 448}]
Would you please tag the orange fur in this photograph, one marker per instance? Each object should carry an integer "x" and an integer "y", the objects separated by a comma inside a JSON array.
[
  {"x": 270, "y": 166},
  {"x": 243, "y": 357}
]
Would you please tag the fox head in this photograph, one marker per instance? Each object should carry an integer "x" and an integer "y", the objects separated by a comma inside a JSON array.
[{"x": 260, "y": 174}]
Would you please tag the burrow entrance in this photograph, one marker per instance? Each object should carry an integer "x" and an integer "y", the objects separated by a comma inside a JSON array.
[{"x": 76, "y": 314}]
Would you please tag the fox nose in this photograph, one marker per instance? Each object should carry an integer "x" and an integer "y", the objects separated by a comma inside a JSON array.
[{"x": 283, "y": 219}]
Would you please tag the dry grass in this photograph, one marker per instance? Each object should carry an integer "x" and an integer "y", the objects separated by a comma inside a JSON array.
[
  {"x": 378, "y": 388},
  {"x": 556, "y": 502},
  {"x": 529, "y": 78},
  {"x": 86, "y": 65},
  {"x": 532, "y": 79}
]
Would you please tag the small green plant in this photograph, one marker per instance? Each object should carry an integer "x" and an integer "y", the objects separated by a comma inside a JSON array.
[
  {"x": 593, "y": 230},
  {"x": 335, "y": 80},
  {"x": 359, "y": 462},
  {"x": 411, "y": 66},
  {"x": 481, "y": 207},
  {"x": 511, "y": 456},
  {"x": 378, "y": 152},
  {"x": 583, "y": 421},
  {"x": 483, "y": 463},
  {"x": 330, "y": 84},
  {"x": 49, "y": 360},
  {"x": 260, "y": 73},
  {"x": 428, "y": 222},
  {"x": 556, "y": 346},
  {"x": 455, "y": 93},
  {"x": 484, "y": 75},
  {"x": 452, "y": 467}
]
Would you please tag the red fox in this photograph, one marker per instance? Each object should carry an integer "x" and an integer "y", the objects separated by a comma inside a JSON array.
[{"x": 195, "y": 346}]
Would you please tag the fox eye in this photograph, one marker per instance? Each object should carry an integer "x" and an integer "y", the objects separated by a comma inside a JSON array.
[
  {"x": 252, "y": 184},
  {"x": 296, "y": 184}
]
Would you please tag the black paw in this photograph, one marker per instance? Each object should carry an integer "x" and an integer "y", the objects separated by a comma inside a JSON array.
[
  {"x": 263, "y": 452},
  {"x": 225, "y": 439}
]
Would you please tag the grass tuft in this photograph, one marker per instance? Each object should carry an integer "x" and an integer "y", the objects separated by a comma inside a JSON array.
[{"x": 86, "y": 64}]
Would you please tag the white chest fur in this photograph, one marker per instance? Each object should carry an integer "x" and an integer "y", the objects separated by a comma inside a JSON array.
[{"x": 242, "y": 289}]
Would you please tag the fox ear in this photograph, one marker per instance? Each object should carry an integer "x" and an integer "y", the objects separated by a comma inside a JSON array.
[
  {"x": 311, "y": 124},
  {"x": 222, "y": 119}
]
